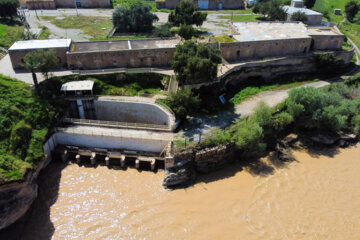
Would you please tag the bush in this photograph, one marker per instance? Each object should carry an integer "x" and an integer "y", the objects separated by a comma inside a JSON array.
[
  {"x": 183, "y": 103},
  {"x": 281, "y": 121},
  {"x": 272, "y": 10},
  {"x": 19, "y": 138},
  {"x": 8, "y": 8},
  {"x": 248, "y": 137},
  {"x": 216, "y": 137},
  {"x": 351, "y": 9},
  {"x": 353, "y": 81},
  {"x": 162, "y": 31},
  {"x": 355, "y": 122},
  {"x": 299, "y": 16},
  {"x": 262, "y": 115},
  {"x": 187, "y": 32}
]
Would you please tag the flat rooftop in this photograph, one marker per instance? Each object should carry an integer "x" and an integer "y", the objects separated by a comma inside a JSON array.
[
  {"x": 323, "y": 31},
  {"x": 257, "y": 31},
  {"x": 291, "y": 10},
  {"x": 41, "y": 44},
  {"x": 100, "y": 46},
  {"x": 78, "y": 86}
]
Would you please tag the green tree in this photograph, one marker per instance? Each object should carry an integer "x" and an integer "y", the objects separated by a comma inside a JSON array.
[
  {"x": 162, "y": 31},
  {"x": 187, "y": 32},
  {"x": 272, "y": 10},
  {"x": 309, "y": 3},
  {"x": 328, "y": 62},
  {"x": 183, "y": 103},
  {"x": 8, "y": 8},
  {"x": 136, "y": 18},
  {"x": 20, "y": 137},
  {"x": 299, "y": 16},
  {"x": 40, "y": 60},
  {"x": 351, "y": 9},
  {"x": 195, "y": 63},
  {"x": 186, "y": 13}
]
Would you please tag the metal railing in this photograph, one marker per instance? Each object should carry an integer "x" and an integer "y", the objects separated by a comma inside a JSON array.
[{"x": 116, "y": 124}]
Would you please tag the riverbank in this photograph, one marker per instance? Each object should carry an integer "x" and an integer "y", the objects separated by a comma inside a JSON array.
[{"x": 314, "y": 197}]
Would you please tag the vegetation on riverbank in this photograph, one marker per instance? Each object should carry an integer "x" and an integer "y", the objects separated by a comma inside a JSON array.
[
  {"x": 10, "y": 32},
  {"x": 24, "y": 122},
  {"x": 332, "y": 110}
]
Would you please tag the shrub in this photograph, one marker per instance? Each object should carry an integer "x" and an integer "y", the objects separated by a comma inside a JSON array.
[
  {"x": 351, "y": 9},
  {"x": 355, "y": 122},
  {"x": 216, "y": 137},
  {"x": 281, "y": 121},
  {"x": 353, "y": 81},
  {"x": 162, "y": 31},
  {"x": 19, "y": 138},
  {"x": 8, "y": 8},
  {"x": 186, "y": 13},
  {"x": 183, "y": 103},
  {"x": 328, "y": 62},
  {"x": 299, "y": 16},
  {"x": 262, "y": 115},
  {"x": 248, "y": 137},
  {"x": 187, "y": 32}
]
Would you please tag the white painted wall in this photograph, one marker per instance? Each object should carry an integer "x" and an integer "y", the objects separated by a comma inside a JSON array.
[
  {"x": 136, "y": 112},
  {"x": 111, "y": 142}
]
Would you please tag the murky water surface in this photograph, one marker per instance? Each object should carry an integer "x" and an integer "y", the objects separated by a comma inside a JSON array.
[{"x": 317, "y": 197}]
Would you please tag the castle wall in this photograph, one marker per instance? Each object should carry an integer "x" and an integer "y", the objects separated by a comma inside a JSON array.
[
  {"x": 84, "y": 4},
  {"x": 160, "y": 57},
  {"x": 17, "y": 56},
  {"x": 324, "y": 42},
  {"x": 40, "y": 5},
  {"x": 258, "y": 49}
]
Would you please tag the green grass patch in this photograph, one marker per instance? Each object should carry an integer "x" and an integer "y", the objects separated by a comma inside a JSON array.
[
  {"x": 44, "y": 34},
  {"x": 24, "y": 122},
  {"x": 10, "y": 32},
  {"x": 241, "y": 18},
  {"x": 224, "y": 38},
  {"x": 95, "y": 27}
]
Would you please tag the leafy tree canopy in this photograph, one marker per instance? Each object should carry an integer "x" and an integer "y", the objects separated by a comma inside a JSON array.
[
  {"x": 186, "y": 13},
  {"x": 299, "y": 16},
  {"x": 136, "y": 18},
  {"x": 8, "y": 8},
  {"x": 162, "y": 31},
  {"x": 187, "y": 32},
  {"x": 195, "y": 63},
  {"x": 271, "y": 9},
  {"x": 351, "y": 9}
]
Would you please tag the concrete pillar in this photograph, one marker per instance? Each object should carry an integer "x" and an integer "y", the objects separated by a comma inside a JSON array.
[
  {"x": 152, "y": 164},
  {"x": 137, "y": 163},
  {"x": 93, "y": 158},
  {"x": 64, "y": 156},
  {"x": 78, "y": 160},
  {"x": 107, "y": 161},
  {"x": 80, "y": 108},
  {"x": 122, "y": 160}
]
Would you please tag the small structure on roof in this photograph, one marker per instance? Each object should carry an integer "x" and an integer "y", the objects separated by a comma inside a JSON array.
[
  {"x": 313, "y": 18},
  {"x": 76, "y": 88}
]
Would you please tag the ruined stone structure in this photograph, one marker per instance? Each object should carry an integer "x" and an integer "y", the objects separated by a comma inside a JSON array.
[
  {"x": 124, "y": 53},
  {"x": 204, "y": 4},
  {"x": 52, "y": 4},
  {"x": 19, "y": 49}
]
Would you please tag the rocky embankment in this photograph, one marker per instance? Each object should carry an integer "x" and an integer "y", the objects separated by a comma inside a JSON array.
[{"x": 16, "y": 198}]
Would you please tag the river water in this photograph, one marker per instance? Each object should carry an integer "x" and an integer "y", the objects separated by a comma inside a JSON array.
[{"x": 316, "y": 197}]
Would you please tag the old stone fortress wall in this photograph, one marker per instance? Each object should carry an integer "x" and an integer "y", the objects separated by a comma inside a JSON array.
[{"x": 253, "y": 40}]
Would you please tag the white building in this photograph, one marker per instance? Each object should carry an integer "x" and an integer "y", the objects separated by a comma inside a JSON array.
[{"x": 313, "y": 17}]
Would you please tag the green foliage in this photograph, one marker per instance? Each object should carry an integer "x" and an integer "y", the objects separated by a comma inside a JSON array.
[
  {"x": 129, "y": 3},
  {"x": 353, "y": 81},
  {"x": 195, "y": 63},
  {"x": 224, "y": 38},
  {"x": 309, "y": 3},
  {"x": 10, "y": 32},
  {"x": 314, "y": 109},
  {"x": 281, "y": 120},
  {"x": 328, "y": 62},
  {"x": 187, "y": 32},
  {"x": 271, "y": 9},
  {"x": 162, "y": 31},
  {"x": 248, "y": 136},
  {"x": 136, "y": 18},
  {"x": 19, "y": 138},
  {"x": 262, "y": 115},
  {"x": 216, "y": 137},
  {"x": 44, "y": 34},
  {"x": 186, "y": 13},
  {"x": 8, "y": 8},
  {"x": 351, "y": 9},
  {"x": 23, "y": 116},
  {"x": 355, "y": 122},
  {"x": 183, "y": 103},
  {"x": 299, "y": 16}
]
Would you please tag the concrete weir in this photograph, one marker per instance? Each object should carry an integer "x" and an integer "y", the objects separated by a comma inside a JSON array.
[{"x": 118, "y": 157}]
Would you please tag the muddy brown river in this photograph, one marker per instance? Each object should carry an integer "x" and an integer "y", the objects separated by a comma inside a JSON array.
[{"x": 317, "y": 197}]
